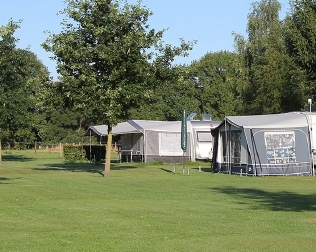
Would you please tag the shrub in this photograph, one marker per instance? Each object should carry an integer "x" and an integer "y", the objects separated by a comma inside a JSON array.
[{"x": 73, "y": 153}]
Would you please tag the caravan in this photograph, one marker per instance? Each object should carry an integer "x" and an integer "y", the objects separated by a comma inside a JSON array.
[{"x": 203, "y": 139}]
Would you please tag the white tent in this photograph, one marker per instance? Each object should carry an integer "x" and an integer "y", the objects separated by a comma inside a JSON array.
[{"x": 277, "y": 144}]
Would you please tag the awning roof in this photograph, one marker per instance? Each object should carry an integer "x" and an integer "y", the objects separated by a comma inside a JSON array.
[
  {"x": 102, "y": 130},
  {"x": 140, "y": 126},
  {"x": 136, "y": 126},
  {"x": 285, "y": 120}
]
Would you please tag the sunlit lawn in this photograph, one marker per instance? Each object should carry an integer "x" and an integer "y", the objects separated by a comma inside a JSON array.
[{"x": 49, "y": 205}]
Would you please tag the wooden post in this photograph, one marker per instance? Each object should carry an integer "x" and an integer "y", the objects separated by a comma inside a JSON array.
[
  {"x": 60, "y": 150},
  {"x": 0, "y": 151}
]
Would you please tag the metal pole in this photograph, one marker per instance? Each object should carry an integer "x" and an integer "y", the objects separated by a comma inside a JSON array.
[
  {"x": 183, "y": 164},
  {"x": 311, "y": 135}
]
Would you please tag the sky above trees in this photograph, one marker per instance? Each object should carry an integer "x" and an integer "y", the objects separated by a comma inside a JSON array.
[{"x": 210, "y": 22}]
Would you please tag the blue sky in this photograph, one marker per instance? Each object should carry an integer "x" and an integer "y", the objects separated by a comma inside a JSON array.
[{"x": 210, "y": 22}]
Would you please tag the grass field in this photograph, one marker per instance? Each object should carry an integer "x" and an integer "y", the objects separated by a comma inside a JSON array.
[{"x": 49, "y": 205}]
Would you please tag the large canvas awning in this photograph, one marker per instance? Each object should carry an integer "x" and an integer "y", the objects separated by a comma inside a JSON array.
[{"x": 275, "y": 144}]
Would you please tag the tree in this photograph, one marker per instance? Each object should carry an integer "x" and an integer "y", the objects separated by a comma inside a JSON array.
[
  {"x": 62, "y": 124},
  {"x": 301, "y": 44},
  {"x": 218, "y": 80},
  {"x": 23, "y": 79},
  {"x": 174, "y": 94},
  {"x": 269, "y": 67},
  {"x": 109, "y": 60}
]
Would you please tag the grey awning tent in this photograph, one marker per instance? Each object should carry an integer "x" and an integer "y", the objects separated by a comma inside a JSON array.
[
  {"x": 276, "y": 144},
  {"x": 158, "y": 140},
  {"x": 152, "y": 140}
]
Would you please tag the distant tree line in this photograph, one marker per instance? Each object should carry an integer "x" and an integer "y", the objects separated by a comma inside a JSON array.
[{"x": 114, "y": 67}]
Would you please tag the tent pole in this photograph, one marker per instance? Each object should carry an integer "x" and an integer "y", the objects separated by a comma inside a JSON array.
[
  {"x": 90, "y": 146},
  {"x": 230, "y": 150},
  {"x": 183, "y": 163},
  {"x": 311, "y": 136},
  {"x": 144, "y": 147},
  {"x": 226, "y": 143}
]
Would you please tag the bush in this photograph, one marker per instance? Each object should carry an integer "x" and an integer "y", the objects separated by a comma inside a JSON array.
[{"x": 73, "y": 153}]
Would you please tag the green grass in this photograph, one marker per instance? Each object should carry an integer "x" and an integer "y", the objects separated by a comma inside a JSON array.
[{"x": 48, "y": 205}]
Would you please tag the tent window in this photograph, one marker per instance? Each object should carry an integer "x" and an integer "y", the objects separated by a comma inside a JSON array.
[
  {"x": 233, "y": 143},
  {"x": 170, "y": 144},
  {"x": 236, "y": 146},
  {"x": 204, "y": 136},
  {"x": 224, "y": 146},
  {"x": 280, "y": 147}
]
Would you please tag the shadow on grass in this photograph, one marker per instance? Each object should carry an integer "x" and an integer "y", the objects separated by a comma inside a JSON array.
[
  {"x": 4, "y": 180},
  {"x": 16, "y": 158},
  {"x": 275, "y": 201},
  {"x": 204, "y": 169},
  {"x": 84, "y": 167},
  {"x": 166, "y": 170}
]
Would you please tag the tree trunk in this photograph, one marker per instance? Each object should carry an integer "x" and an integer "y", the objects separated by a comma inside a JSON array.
[
  {"x": 107, "y": 167},
  {"x": 0, "y": 151}
]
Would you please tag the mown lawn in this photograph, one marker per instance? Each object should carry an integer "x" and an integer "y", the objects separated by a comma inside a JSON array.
[{"x": 49, "y": 205}]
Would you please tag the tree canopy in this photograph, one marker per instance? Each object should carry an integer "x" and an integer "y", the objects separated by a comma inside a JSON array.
[
  {"x": 113, "y": 67},
  {"x": 301, "y": 43},
  {"x": 109, "y": 59},
  {"x": 23, "y": 79}
]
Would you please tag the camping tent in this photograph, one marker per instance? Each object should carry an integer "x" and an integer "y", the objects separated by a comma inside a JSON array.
[
  {"x": 277, "y": 144},
  {"x": 149, "y": 141}
]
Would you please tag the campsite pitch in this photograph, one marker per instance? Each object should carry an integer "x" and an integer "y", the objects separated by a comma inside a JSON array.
[{"x": 49, "y": 205}]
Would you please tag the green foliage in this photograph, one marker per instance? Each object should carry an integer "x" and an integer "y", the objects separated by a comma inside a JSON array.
[
  {"x": 301, "y": 43},
  {"x": 22, "y": 82},
  {"x": 217, "y": 81},
  {"x": 73, "y": 153},
  {"x": 270, "y": 70},
  {"x": 113, "y": 67},
  {"x": 109, "y": 58},
  {"x": 169, "y": 98}
]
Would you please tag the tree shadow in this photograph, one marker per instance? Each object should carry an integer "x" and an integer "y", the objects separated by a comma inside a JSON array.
[
  {"x": 275, "y": 201},
  {"x": 83, "y": 167},
  {"x": 166, "y": 170},
  {"x": 16, "y": 158},
  {"x": 4, "y": 181}
]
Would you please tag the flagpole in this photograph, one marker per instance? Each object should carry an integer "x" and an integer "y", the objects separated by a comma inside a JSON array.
[{"x": 183, "y": 137}]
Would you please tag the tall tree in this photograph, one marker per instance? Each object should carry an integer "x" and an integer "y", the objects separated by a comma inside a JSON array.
[
  {"x": 301, "y": 43},
  {"x": 63, "y": 124},
  {"x": 169, "y": 99},
  {"x": 218, "y": 81},
  {"x": 268, "y": 64},
  {"x": 23, "y": 79},
  {"x": 109, "y": 59}
]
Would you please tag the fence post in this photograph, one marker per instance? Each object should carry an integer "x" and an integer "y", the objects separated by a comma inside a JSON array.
[
  {"x": 0, "y": 151},
  {"x": 60, "y": 150}
]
